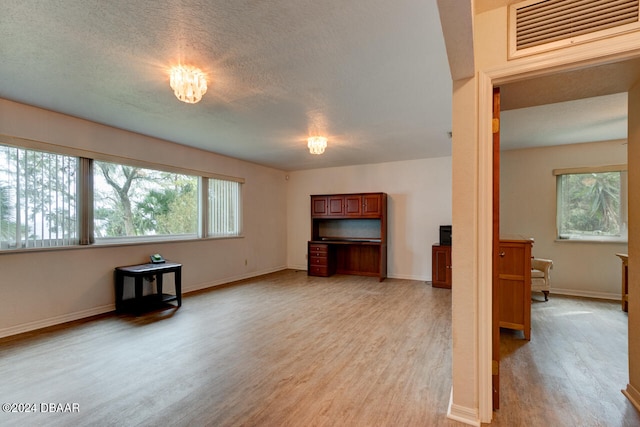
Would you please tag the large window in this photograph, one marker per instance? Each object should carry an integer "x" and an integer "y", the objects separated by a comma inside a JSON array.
[
  {"x": 130, "y": 202},
  {"x": 38, "y": 206},
  {"x": 592, "y": 204},
  {"x": 49, "y": 200}
]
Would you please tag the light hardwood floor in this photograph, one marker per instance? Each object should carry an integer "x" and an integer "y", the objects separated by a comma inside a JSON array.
[
  {"x": 291, "y": 350},
  {"x": 573, "y": 370}
]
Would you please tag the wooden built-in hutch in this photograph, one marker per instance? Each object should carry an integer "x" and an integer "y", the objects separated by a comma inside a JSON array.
[{"x": 348, "y": 235}]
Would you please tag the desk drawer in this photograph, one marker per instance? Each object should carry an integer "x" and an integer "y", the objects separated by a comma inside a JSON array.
[
  {"x": 316, "y": 270},
  {"x": 319, "y": 260},
  {"x": 318, "y": 248}
]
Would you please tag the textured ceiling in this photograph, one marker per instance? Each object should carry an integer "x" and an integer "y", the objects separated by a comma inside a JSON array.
[
  {"x": 582, "y": 105},
  {"x": 370, "y": 75}
]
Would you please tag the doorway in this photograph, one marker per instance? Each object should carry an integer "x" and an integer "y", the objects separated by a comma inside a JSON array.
[{"x": 586, "y": 83}]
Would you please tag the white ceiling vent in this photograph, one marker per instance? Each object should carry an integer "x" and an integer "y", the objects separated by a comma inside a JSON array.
[{"x": 536, "y": 26}]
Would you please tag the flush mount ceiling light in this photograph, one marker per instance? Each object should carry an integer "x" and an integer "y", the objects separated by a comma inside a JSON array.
[
  {"x": 188, "y": 83},
  {"x": 316, "y": 144}
]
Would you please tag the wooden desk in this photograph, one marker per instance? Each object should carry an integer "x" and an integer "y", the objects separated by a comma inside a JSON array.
[
  {"x": 143, "y": 303},
  {"x": 363, "y": 258},
  {"x": 348, "y": 235},
  {"x": 625, "y": 281}
]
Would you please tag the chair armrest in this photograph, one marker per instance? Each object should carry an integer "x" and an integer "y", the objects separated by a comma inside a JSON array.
[{"x": 542, "y": 264}]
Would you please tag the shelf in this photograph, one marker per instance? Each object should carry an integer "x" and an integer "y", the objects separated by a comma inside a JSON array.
[
  {"x": 331, "y": 241},
  {"x": 148, "y": 303}
]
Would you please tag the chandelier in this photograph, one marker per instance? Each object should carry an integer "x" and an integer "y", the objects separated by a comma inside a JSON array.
[
  {"x": 317, "y": 144},
  {"x": 188, "y": 83}
]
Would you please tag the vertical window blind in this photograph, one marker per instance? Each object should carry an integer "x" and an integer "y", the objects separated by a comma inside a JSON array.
[
  {"x": 37, "y": 199},
  {"x": 224, "y": 208}
]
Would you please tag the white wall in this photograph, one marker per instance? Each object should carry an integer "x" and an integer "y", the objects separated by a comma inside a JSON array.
[
  {"x": 528, "y": 207},
  {"x": 419, "y": 201},
  {"x": 48, "y": 287}
]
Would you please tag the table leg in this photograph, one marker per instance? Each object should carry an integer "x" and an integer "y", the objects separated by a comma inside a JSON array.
[
  {"x": 138, "y": 291},
  {"x": 178, "y": 280},
  {"x": 159, "y": 284},
  {"x": 119, "y": 290}
]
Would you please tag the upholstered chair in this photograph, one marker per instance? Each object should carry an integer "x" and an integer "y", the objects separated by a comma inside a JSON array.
[{"x": 540, "y": 276}]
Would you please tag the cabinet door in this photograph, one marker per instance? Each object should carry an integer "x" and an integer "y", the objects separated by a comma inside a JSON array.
[
  {"x": 372, "y": 204},
  {"x": 514, "y": 286},
  {"x": 353, "y": 205},
  {"x": 319, "y": 206},
  {"x": 336, "y": 205},
  {"x": 441, "y": 266}
]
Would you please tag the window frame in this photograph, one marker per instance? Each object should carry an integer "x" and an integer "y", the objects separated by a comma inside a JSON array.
[
  {"x": 623, "y": 209},
  {"x": 85, "y": 193},
  {"x": 148, "y": 237}
]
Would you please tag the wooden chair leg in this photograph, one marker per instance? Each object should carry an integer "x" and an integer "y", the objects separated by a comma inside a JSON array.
[{"x": 546, "y": 295}]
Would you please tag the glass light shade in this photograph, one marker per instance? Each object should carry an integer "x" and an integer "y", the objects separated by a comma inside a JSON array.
[
  {"x": 317, "y": 144},
  {"x": 188, "y": 83}
]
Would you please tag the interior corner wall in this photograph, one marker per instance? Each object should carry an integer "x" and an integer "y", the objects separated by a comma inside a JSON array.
[
  {"x": 528, "y": 207},
  {"x": 465, "y": 308},
  {"x": 418, "y": 202},
  {"x": 42, "y": 288}
]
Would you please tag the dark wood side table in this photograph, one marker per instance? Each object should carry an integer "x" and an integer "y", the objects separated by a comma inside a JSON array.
[
  {"x": 142, "y": 303},
  {"x": 441, "y": 266}
]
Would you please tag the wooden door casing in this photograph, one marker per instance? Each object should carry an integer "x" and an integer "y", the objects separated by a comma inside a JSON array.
[{"x": 495, "y": 301}]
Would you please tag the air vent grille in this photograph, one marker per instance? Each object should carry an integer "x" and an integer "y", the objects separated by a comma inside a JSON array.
[{"x": 543, "y": 22}]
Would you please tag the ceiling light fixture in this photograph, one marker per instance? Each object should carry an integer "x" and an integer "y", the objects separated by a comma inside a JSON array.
[
  {"x": 316, "y": 144},
  {"x": 188, "y": 83}
]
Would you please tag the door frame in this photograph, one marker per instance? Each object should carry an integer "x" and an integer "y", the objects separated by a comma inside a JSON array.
[{"x": 556, "y": 62}]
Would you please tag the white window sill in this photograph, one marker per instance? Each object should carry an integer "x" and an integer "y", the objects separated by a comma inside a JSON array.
[{"x": 594, "y": 239}]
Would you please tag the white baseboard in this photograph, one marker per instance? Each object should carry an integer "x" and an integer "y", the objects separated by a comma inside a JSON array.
[
  {"x": 633, "y": 394},
  {"x": 390, "y": 276},
  {"x": 298, "y": 267},
  {"x": 225, "y": 280},
  {"x": 69, "y": 317},
  {"x": 462, "y": 413},
  {"x": 408, "y": 277},
  {"x": 586, "y": 294},
  {"x": 57, "y": 320}
]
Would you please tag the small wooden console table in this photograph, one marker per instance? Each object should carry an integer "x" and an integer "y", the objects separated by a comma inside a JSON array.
[{"x": 142, "y": 303}]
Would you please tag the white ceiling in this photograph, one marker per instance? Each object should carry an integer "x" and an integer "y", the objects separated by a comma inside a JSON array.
[
  {"x": 587, "y": 120},
  {"x": 370, "y": 75}
]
